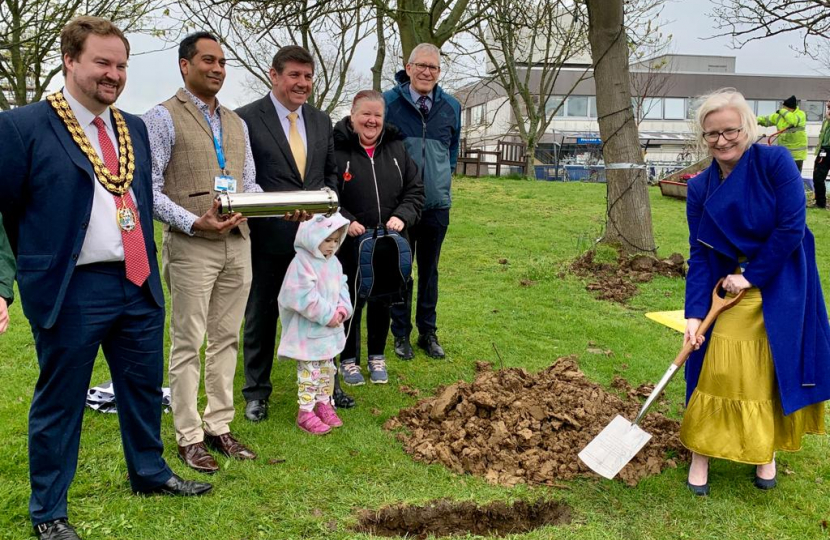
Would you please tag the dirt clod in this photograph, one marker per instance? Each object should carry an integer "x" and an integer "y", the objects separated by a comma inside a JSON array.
[
  {"x": 618, "y": 281},
  {"x": 446, "y": 518},
  {"x": 511, "y": 426}
]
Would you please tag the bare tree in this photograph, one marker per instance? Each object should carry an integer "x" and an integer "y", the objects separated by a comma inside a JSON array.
[
  {"x": 435, "y": 22},
  {"x": 628, "y": 208},
  {"x": 527, "y": 43},
  {"x": 650, "y": 76},
  {"x": 749, "y": 20},
  {"x": 251, "y": 32},
  {"x": 30, "y": 40}
]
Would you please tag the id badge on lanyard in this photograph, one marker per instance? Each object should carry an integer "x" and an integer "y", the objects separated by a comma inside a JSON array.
[{"x": 223, "y": 182}]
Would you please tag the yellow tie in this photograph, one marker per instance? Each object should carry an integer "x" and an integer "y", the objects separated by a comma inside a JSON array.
[{"x": 296, "y": 144}]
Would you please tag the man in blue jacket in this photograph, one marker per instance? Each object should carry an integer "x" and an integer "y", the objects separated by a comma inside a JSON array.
[{"x": 431, "y": 122}]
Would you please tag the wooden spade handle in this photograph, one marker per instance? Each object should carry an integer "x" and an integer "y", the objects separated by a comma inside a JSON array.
[{"x": 719, "y": 305}]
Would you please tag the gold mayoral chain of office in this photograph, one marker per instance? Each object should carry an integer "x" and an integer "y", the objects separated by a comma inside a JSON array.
[{"x": 115, "y": 184}]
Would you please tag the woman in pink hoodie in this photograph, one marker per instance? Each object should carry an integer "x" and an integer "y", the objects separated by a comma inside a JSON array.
[{"x": 313, "y": 303}]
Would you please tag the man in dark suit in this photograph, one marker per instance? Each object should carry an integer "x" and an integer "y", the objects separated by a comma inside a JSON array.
[
  {"x": 87, "y": 268},
  {"x": 293, "y": 150}
]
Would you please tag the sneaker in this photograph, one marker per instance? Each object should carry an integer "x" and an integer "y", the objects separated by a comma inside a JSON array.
[
  {"x": 310, "y": 423},
  {"x": 326, "y": 413},
  {"x": 350, "y": 372},
  {"x": 403, "y": 348},
  {"x": 377, "y": 371},
  {"x": 429, "y": 342}
]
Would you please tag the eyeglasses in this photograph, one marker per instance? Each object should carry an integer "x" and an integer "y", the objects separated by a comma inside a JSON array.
[
  {"x": 728, "y": 134},
  {"x": 424, "y": 67}
]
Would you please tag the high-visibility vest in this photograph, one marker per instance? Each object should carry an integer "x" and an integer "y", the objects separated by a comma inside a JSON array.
[{"x": 793, "y": 128}]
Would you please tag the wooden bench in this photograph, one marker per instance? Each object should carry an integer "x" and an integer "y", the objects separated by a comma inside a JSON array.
[
  {"x": 511, "y": 154},
  {"x": 468, "y": 156}
]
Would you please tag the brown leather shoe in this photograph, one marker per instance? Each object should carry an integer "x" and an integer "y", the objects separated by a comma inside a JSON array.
[
  {"x": 229, "y": 446},
  {"x": 198, "y": 458}
]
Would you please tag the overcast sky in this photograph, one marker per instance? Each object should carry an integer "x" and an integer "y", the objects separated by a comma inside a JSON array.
[{"x": 154, "y": 77}]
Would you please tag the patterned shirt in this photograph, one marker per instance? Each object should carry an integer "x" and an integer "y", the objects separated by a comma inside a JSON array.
[{"x": 162, "y": 139}]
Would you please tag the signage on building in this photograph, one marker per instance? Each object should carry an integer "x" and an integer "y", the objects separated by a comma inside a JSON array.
[{"x": 588, "y": 140}]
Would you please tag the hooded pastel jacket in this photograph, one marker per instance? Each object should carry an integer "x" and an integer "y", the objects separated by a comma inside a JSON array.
[{"x": 313, "y": 288}]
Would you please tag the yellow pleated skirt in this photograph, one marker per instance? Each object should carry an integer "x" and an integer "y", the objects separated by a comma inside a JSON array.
[{"x": 735, "y": 411}]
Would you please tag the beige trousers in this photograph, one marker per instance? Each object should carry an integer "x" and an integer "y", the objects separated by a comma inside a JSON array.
[{"x": 209, "y": 282}]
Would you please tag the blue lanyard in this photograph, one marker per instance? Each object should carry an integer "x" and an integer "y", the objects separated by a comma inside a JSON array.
[{"x": 217, "y": 143}]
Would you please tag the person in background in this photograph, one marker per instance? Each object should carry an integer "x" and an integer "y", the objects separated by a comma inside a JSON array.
[
  {"x": 313, "y": 303},
  {"x": 791, "y": 123},
  {"x": 430, "y": 119},
  {"x": 822, "y": 165},
  {"x": 379, "y": 187},
  {"x": 757, "y": 381}
]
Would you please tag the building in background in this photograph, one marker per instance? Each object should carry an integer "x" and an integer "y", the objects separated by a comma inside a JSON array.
[{"x": 664, "y": 91}]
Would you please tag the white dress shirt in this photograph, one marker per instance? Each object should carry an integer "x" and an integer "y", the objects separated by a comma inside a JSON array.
[
  {"x": 102, "y": 242},
  {"x": 283, "y": 112}
]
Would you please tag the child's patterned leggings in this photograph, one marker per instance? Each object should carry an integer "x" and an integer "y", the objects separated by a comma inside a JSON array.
[{"x": 315, "y": 382}]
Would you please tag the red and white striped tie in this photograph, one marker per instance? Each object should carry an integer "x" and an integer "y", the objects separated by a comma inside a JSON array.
[{"x": 135, "y": 252}]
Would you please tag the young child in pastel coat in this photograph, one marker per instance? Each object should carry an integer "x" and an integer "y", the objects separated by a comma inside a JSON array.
[{"x": 313, "y": 303}]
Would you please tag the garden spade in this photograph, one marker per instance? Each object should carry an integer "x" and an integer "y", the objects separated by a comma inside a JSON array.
[{"x": 620, "y": 441}]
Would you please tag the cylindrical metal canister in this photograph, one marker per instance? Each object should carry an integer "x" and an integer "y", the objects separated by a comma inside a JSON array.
[{"x": 278, "y": 203}]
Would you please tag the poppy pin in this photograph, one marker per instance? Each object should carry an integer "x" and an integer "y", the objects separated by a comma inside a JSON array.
[{"x": 347, "y": 176}]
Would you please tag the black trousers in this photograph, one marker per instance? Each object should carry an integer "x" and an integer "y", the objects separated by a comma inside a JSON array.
[
  {"x": 820, "y": 170},
  {"x": 377, "y": 312},
  {"x": 261, "y": 315},
  {"x": 101, "y": 310},
  {"x": 426, "y": 239}
]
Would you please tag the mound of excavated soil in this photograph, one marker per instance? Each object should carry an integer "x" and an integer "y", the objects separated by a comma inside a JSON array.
[
  {"x": 511, "y": 426},
  {"x": 618, "y": 281},
  {"x": 447, "y": 518}
]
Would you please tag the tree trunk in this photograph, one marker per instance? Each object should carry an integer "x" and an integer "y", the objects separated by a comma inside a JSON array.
[
  {"x": 530, "y": 172},
  {"x": 380, "y": 57},
  {"x": 628, "y": 208}
]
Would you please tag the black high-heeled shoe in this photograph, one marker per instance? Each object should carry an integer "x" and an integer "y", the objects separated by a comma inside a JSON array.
[
  {"x": 700, "y": 491},
  {"x": 763, "y": 483}
]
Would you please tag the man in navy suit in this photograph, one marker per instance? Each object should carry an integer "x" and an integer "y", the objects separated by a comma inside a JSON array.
[{"x": 82, "y": 224}]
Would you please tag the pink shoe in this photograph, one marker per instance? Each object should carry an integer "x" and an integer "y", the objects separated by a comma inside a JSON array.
[
  {"x": 308, "y": 422},
  {"x": 325, "y": 412}
]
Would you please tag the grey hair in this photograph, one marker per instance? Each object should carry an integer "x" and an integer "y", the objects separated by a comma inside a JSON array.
[
  {"x": 727, "y": 98},
  {"x": 422, "y": 48},
  {"x": 366, "y": 95}
]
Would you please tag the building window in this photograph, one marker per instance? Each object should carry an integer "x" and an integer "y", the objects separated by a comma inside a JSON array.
[
  {"x": 552, "y": 103},
  {"x": 652, "y": 108},
  {"x": 675, "y": 109},
  {"x": 577, "y": 107},
  {"x": 766, "y": 107},
  {"x": 814, "y": 110},
  {"x": 592, "y": 107},
  {"x": 477, "y": 115}
]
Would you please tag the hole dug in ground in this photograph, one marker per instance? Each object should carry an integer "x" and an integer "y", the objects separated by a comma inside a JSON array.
[{"x": 448, "y": 518}]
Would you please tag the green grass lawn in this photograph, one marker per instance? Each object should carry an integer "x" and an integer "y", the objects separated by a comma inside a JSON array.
[{"x": 538, "y": 228}]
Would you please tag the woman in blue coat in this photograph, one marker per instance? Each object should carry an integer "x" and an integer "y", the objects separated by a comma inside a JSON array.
[{"x": 757, "y": 381}]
